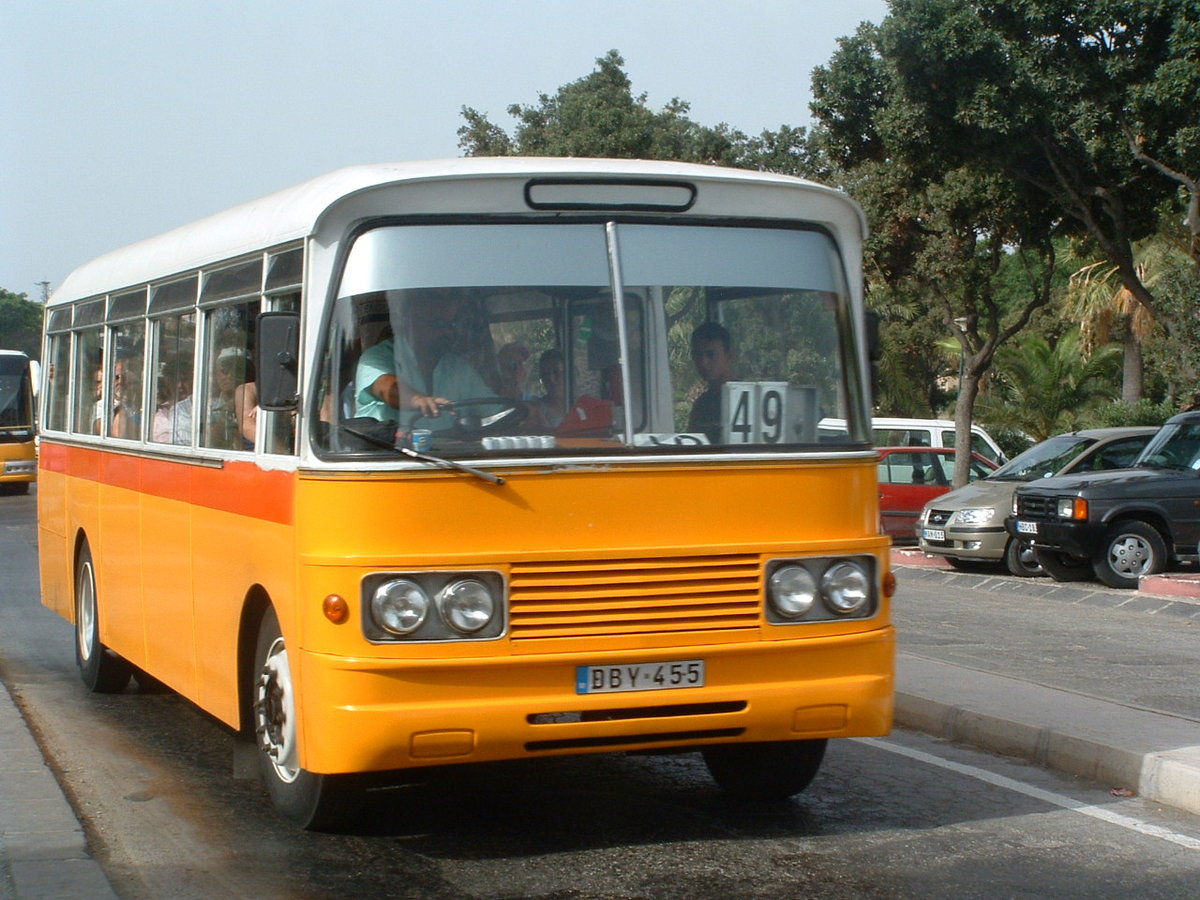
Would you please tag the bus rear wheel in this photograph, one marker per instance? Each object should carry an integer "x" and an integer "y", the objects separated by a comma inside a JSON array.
[
  {"x": 767, "y": 771},
  {"x": 312, "y": 801},
  {"x": 102, "y": 670}
]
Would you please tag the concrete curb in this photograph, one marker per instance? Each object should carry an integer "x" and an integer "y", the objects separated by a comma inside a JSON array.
[{"x": 1061, "y": 730}]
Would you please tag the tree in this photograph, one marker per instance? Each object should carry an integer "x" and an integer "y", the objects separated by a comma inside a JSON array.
[
  {"x": 1089, "y": 104},
  {"x": 20, "y": 324},
  {"x": 944, "y": 230},
  {"x": 598, "y": 115},
  {"x": 1051, "y": 388}
]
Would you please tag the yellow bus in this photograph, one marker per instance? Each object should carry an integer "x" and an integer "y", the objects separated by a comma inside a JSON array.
[
  {"x": 18, "y": 429},
  {"x": 450, "y": 462}
]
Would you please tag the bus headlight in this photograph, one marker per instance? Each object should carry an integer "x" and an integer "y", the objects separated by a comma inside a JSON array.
[
  {"x": 792, "y": 591},
  {"x": 846, "y": 588},
  {"x": 434, "y": 605},
  {"x": 400, "y": 606},
  {"x": 814, "y": 589},
  {"x": 467, "y": 605}
]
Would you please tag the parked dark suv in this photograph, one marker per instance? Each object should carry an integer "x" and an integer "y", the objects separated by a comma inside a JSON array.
[{"x": 1120, "y": 524}]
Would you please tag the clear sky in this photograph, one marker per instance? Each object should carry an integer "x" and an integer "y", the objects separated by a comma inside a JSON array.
[{"x": 125, "y": 118}]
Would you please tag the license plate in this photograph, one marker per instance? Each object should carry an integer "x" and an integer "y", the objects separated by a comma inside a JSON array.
[
  {"x": 934, "y": 534},
  {"x": 1026, "y": 527},
  {"x": 648, "y": 676}
]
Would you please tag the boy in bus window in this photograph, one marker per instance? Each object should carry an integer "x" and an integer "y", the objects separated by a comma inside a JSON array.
[
  {"x": 549, "y": 409},
  {"x": 712, "y": 354}
]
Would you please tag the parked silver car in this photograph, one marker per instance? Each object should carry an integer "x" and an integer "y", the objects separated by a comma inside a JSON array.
[{"x": 967, "y": 525}]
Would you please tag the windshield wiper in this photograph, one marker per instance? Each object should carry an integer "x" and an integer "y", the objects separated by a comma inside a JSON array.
[{"x": 423, "y": 457}]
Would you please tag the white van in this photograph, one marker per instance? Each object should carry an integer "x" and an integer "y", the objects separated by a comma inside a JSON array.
[{"x": 888, "y": 432}]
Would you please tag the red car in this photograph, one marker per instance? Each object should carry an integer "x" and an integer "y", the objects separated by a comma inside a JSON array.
[{"x": 909, "y": 477}]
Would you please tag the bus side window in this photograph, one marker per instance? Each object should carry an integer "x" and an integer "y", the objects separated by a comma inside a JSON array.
[
  {"x": 174, "y": 344},
  {"x": 58, "y": 383},
  {"x": 230, "y": 409},
  {"x": 89, "y": 382},
  {"x": 125, "y": 388}
]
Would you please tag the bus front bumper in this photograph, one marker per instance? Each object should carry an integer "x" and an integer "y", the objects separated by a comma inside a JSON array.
[{"x": 369, "y": 715}]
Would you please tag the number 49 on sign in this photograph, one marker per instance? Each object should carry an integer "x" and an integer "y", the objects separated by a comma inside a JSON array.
[{"x": 754, "y": 412}]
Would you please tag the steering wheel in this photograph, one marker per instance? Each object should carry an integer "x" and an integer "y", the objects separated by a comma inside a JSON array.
[{"x": 471, "y": 426}]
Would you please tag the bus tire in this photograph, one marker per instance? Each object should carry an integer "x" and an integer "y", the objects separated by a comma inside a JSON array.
[
  {"x": 768, "y": 771},
  {"x": 312, "y": 801},
  {"x": 102, "y": 670}
]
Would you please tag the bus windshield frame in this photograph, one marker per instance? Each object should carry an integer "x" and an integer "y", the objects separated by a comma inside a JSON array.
[{"x": 772, "y": 296}]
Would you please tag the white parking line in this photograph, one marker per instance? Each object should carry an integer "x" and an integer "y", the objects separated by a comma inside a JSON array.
[{"x": 1060, "y": 800}]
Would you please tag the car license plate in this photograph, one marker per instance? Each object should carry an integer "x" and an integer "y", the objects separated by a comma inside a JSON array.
[
  {"x": 934, "y": 534},
  {"x": 1026, "y": 527},
  {"x": 649, "y": 676}
]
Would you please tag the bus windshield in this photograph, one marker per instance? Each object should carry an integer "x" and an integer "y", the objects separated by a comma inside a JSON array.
[
  {"x": 489, "y": 339},
  {"x": 16, "y": 395}
]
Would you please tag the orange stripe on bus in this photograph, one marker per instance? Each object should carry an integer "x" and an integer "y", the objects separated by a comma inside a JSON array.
[{"x": 236, "y": 486}]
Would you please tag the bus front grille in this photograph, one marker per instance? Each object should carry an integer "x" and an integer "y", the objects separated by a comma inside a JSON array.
[{"x": 629, "y": 597}]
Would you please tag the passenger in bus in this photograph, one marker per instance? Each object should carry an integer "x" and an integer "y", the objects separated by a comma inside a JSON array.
[
  {"x": 98, "y": 414},
  {"x": 549, "y": 409},
  {"x": 222, "y": 418},
  {"x": 245, "y": 407},
  {"x": 421, "y": 374},
  {"x": 513, "y": 362},
  {"x": 712, "y": 354},
  {"x": 173, "y": 417},
  {"x": 127, "y": 388}
]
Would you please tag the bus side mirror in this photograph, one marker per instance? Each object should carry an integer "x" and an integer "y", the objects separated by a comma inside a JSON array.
[{"x": 277, "y": 365}]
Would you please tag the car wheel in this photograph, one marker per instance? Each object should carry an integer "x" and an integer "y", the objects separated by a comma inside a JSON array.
[
  {"x": 774, "y": 770},
  {"x": 1020, "y": 559},
  {"x": 1062, "y": 566},
  {"x": 102, "y": 670},
  {"x": 312, "y": 801},
  {"x": 1130, "y": 550}
]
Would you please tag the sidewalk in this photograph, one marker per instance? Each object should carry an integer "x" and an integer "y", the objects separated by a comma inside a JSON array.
[
  {"x": 44, "y": 856},
  {"x": 43, "y": 851},
  {"x": 1154, "y": 754}
]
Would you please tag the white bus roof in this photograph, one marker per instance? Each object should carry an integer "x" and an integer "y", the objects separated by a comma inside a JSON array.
[{"x": 293, "y": 213}]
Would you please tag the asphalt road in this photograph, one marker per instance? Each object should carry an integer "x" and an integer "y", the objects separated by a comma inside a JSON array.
[{"x": 153, "y": 780}]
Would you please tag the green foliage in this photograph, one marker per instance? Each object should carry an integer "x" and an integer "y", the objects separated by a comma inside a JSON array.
[
  {"x": 1087, "y": 105},
  {"x": 20, "y": 324},
  {"x": 1117, "y": 415},
  {"x": 976, "y": 127},
  {"x": 1048, "y": 388},
  {"x": 600, "y": 116}
]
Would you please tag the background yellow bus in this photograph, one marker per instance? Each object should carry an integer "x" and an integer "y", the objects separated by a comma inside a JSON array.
[
  {"x": 436, "y": 463},
  {"x": 18, "y": 428}
]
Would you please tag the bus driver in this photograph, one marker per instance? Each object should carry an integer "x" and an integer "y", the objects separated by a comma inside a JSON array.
[{"x": 422, "y": 374}]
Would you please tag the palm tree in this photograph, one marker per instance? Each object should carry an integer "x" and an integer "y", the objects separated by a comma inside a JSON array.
[
  {"x": 1104, "y": 307},
  {"x": 1049, "y": 389}
]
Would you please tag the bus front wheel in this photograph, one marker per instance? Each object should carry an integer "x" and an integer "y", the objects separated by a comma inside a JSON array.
[
  {"x": 102, "y": 670},
  {"x": 767, "y": 771},
  {"x": 312, "y": 801}
]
